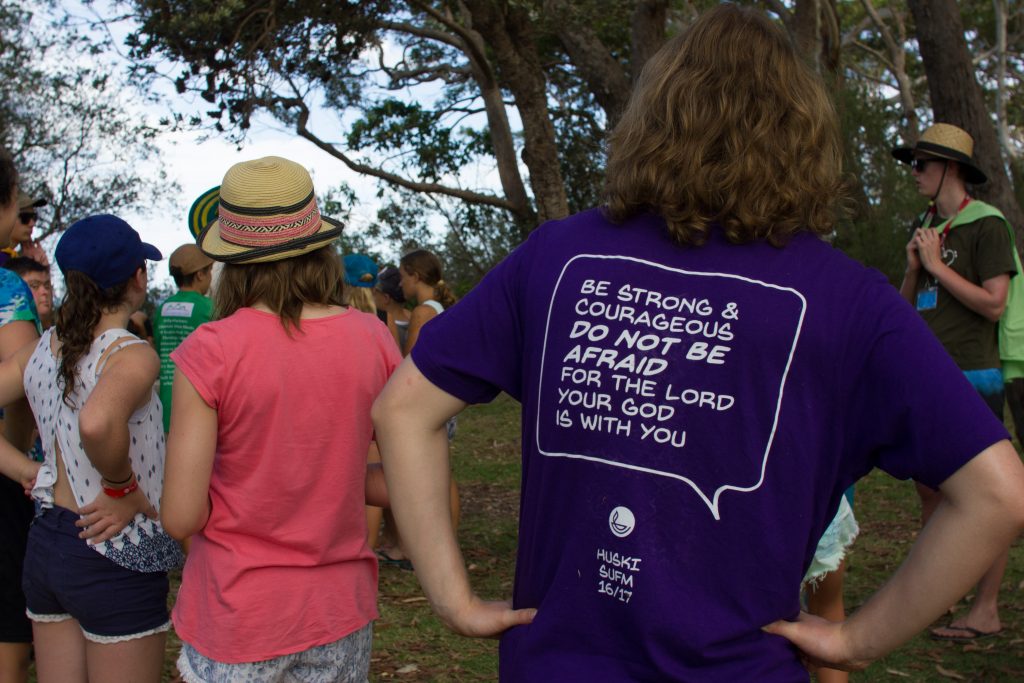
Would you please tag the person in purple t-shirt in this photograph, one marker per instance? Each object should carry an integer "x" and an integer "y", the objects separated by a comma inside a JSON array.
[{"x": 701, "y": 378}]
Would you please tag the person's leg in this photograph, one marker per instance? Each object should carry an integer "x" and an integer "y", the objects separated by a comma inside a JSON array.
[
  {"x": 1015, "y": 401},
  {"x": 121, "y": 613},
  {"x": 825, "y": 599},
  {"x": 16, "y": 514},
  {"x": 982, "y": 617},
  {"x": 14, "y": 659},
  {"x": 374, "y": 514},
  {"x": 139, "y": 660},
  {"x": 60, "y": 652}
]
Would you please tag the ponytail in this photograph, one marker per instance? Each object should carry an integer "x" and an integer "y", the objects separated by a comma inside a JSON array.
[
  {"x": 444, "y": 294},
  {"x": 427, "y": 266}
]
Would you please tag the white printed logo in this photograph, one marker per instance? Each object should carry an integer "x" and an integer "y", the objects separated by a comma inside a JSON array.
[
  {"x": 621, "y": 521},
  {"x": 177, "y": 309}
]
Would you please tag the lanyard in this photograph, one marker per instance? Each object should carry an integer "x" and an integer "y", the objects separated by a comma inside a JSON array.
[{"x": 932, "y": 212}]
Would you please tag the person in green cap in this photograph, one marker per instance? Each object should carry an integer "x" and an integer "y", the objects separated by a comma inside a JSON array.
[
  {"x": 181, "y": 313},
  {"x": 960, "y": 259}
]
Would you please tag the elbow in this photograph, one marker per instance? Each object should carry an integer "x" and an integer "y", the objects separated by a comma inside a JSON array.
[
  {"x": 996, "y": 306},
  {"x": 1015, "y": 512},
  {"x": 93, "y": 427},
  {"x": 995, "y": 312},
  {"x": 177, "y": 525},
  {"x": 173, "y": 526}
]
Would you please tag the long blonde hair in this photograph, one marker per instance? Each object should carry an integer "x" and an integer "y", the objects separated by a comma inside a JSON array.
[{"x": 728, "y": 125}]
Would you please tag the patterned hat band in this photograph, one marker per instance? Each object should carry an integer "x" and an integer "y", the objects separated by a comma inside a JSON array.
[{"x": 250, "y": 227}]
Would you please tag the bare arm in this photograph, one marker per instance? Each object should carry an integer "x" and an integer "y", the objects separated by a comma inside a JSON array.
[
  {"x": 987, "y": 300},
  {"x": 376, "y": 486},
  {"x": 13, "y": 462},
  {"x": 124, "y": 386},
  {"x": 909, "y": 286},
  {"x": 420, "y": 316},
  {"x": 410, "y": 417},
  {"x": 19, "y": 423},
  {"x": 982, "y": 512},
  {"x": 191, "y": 447}
]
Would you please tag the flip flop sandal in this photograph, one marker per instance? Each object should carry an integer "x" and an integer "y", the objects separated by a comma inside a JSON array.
[
  {"x": 972, "y": 634},
  {"x": 385, "y": 559}
]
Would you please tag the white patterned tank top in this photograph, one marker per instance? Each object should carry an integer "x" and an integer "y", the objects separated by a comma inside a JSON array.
[{"x": 143, "y": 545}]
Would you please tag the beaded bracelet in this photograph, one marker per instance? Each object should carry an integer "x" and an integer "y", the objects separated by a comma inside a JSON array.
[{"x": 122, "y": 492}]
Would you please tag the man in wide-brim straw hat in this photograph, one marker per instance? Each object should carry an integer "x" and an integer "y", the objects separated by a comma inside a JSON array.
[{"x": 960, "y": 259}]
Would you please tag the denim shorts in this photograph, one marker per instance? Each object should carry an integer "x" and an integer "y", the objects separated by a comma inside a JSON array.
[
  {"x": 343, "y": 661},
  {"x": 832, "y": 547},
  {"x": 65, "y": 579}
]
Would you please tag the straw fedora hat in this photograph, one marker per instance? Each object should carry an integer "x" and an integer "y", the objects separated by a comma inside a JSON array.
[
  {"x": 267, "y": 212},
  {"x": 945, "y": 141}
]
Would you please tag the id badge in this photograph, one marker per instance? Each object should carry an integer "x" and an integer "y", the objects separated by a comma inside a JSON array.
[{"x": 928, "y": 298}]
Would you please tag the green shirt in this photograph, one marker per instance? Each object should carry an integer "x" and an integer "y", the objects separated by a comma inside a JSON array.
[
  {"x": 176, "y": 318},
  {"x": 977, "y": 248}
]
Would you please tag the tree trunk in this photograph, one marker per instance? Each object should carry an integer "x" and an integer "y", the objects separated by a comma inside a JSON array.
[
  {"x": 897, "y": 65},
  {"x": 957, "y": 98},
  {"x": 647, "y": 33},
  {"x": 815, "y": 31},
  {"x": 603, "y": 74},
  {"x": 508, "y": 32},
  {"x": 1002, "y": 10}
]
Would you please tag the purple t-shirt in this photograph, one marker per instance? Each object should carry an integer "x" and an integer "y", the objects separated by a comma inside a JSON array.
[{"x": 691, "y": 417}]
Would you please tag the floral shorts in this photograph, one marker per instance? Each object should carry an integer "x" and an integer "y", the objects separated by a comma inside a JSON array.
[{"x": 343, "y": 661}]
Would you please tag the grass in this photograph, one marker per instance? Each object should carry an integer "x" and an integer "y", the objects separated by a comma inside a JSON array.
[{"x": 411, "y": 645}]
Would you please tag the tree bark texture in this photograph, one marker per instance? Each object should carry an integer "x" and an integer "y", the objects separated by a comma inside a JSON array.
[
  {"x": 957, "y": 98},
  {"x": 647, "y": 34},
  {"x": 815, "y": 31},
  {"x": 605, "y": 76},
  {"x": 508, "y": 32}
]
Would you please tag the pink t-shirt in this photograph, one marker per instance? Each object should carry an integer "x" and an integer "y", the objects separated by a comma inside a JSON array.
[{"x": 283, "y": 565}]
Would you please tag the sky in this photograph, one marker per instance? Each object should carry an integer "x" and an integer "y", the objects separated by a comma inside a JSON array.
[
  {"x": 198, "y": 165},
  {"x": 197, "y": 160}
]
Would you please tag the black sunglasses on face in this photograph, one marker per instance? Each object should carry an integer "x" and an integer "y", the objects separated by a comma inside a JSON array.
[
  {"x": 27, "y": 216},
  {"x": 920, "y": 164}
]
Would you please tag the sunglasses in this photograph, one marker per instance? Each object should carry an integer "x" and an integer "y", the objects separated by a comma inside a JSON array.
[
  {"x": 920, "y": 164},
  {"x": 26, "y": 216}
]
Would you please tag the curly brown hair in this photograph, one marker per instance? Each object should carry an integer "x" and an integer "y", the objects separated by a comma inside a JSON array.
[
  {"x": 728, "y": 125},
  {"x": 84, "y": 304},
  {"x": 284, "y": 286}
]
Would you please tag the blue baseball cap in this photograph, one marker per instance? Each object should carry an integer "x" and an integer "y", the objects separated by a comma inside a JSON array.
[
  {"x": 104, "y": 248},
  {"x": 360, "y": 270}
]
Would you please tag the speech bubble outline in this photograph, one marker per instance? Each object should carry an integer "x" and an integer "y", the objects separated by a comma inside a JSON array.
[{"x": 711, "y": 502}]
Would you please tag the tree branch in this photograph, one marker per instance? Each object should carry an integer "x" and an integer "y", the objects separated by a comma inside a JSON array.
[
  {"x": 423, "y": 32},
  {"x": 604, "y": 75},
  {"x": 466, "y": 195}
]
